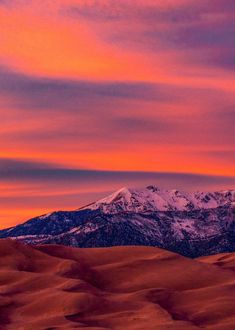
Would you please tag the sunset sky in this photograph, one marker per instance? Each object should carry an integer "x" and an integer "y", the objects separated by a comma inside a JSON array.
[{"x": 96, "y": 95}]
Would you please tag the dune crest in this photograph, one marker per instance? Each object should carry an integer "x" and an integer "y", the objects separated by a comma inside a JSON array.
[{"x": 57, "y": 287}]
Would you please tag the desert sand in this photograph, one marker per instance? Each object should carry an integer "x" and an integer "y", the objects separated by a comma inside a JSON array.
[{"x": 134, "y": 288}]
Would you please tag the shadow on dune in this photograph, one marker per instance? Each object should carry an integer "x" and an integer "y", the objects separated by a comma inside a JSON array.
[{"x": 134, "y": 288}]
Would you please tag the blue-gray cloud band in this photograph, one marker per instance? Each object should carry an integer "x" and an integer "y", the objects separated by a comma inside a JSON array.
[{"x": 18, "y": 170}]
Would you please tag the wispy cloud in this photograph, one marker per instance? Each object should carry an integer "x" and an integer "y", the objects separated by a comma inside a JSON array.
[
  {"x": 45, "y": 93},
  {"x": 23, "y": 170},
  {"x": 100, "y": 94},
  {"x": 187, "y": 26}
]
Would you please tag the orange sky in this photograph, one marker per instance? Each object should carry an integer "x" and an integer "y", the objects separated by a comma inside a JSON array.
[{"x": 92, "y": 89}]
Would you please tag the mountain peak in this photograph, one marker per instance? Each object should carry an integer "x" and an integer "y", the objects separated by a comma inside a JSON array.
[
  {"x": 153, "y": 188},
  {"x": 153, "y": 198},
  {"x": 192, "y": 224},
  {"x": 124, "y": 193}
]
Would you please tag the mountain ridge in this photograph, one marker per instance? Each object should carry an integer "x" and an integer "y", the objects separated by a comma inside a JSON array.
[
  {"x": 192, "y": 224},
  {"x": 152, "y": 198}
]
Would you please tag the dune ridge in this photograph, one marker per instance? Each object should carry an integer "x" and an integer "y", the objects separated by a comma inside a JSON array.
[{"x": 53, "y": 287}]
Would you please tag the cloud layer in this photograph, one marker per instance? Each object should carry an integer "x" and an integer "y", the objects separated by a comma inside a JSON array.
[{"x": 95, "y": 95}]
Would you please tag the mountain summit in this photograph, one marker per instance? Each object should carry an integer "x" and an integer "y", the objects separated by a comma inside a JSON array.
[
  {"x": 152, "y": 199},
  {"x": 192, "y": 224}
]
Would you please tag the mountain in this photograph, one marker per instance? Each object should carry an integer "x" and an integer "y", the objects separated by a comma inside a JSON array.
[
  {"x": 192, "y": 224},
  {"x": 132, "y": 288},
  {"x": 152, "y": 199}
]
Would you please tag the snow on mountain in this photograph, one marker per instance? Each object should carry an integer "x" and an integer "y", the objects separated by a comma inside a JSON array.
[
  {"x": 152, "y": 199},
  {"x": 192, "y": 224}
]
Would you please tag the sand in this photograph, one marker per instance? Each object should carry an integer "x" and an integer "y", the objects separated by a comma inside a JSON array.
[{"x": 134, "y": 288}]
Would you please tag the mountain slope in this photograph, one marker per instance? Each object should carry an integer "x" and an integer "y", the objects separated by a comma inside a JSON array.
[
  {"x": 190, "y": 224},
  {"x": 133, "y": 288},
  {"x": 152, "y": 199}
]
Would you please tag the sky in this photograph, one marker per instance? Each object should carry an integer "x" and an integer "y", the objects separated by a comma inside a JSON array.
[{"x": 96, "y": 95}]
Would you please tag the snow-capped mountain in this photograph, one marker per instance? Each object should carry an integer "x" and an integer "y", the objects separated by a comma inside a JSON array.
[
  {"x": 152, "y": 199},
  {"x": 192, "y": 224}
]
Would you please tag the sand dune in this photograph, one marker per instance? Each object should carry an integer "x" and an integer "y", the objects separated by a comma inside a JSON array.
[{"x": 134, "y": 288}]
